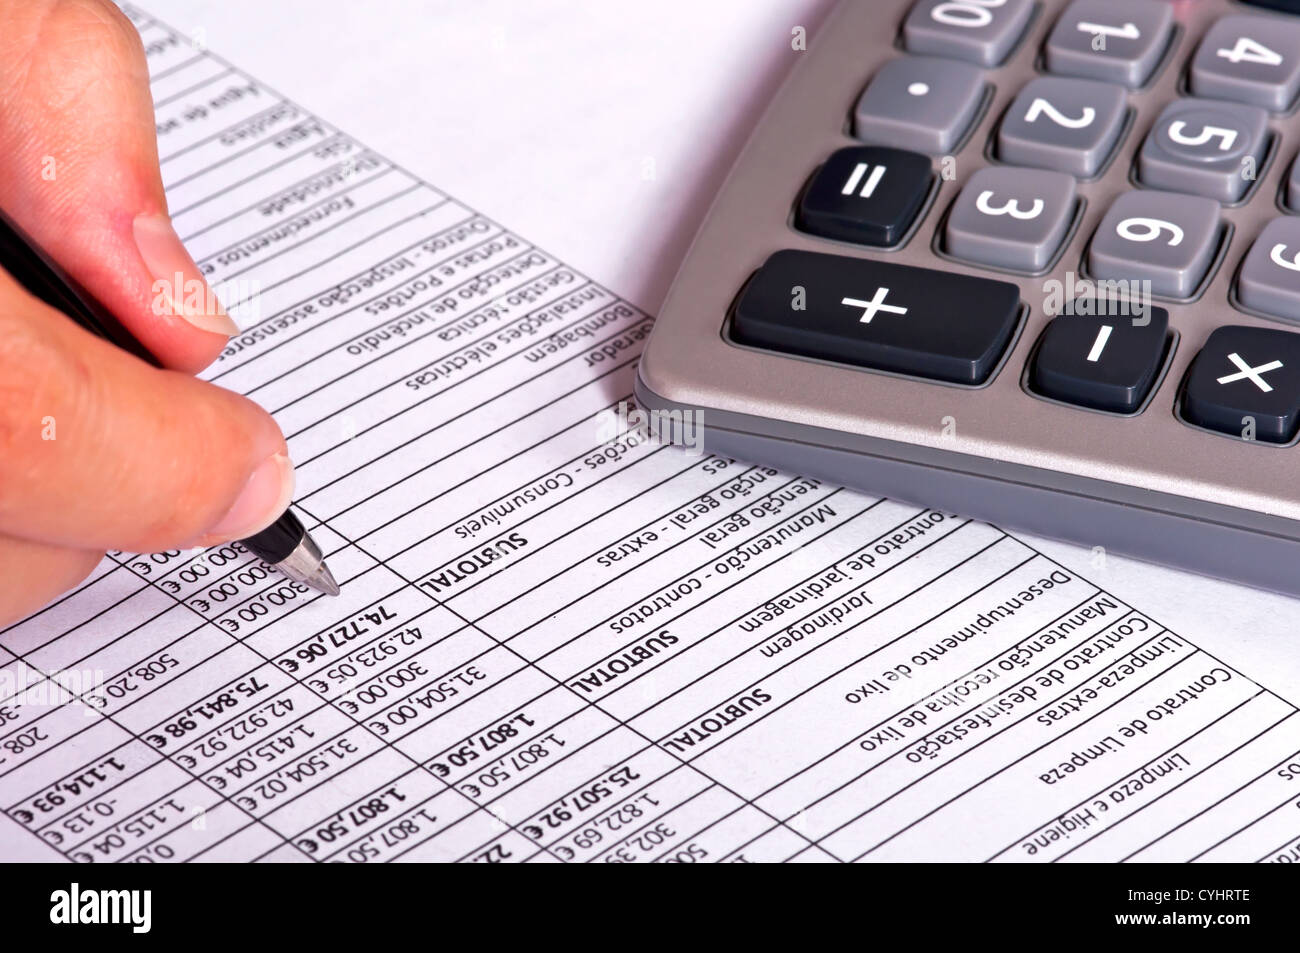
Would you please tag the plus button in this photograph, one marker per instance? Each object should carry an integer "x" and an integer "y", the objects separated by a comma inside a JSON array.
[{"x": 869, "y": 308}]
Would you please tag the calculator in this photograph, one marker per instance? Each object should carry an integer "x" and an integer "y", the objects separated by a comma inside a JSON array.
[{"x": 1032, "y": 261}]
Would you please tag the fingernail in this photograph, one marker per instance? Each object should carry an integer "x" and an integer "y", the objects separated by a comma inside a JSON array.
[
  {"x": 265, "y": 497},
  {"x": 178, "y": 286}
]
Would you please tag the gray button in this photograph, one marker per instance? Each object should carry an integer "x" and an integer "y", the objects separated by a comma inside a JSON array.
[
  {"x": 982, "y": 33},
  {"x": 1270, "y": 274},
  {"x": 920, "y": 103},
  {"x": 1011, "y": 218},
  {"x": 1116, "y": 40},
  {"x": 1161, "y": 237},
  {"x": 1249, "y": 60},
  {"x": 1206, "y": 148},
  {"x": 1069, "y": 125}
]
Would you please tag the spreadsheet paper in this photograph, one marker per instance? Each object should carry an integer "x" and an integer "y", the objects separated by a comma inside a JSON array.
[{"x": 559, "y": 640}]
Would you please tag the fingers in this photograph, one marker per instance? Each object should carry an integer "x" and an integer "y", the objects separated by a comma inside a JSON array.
[
  {"x": 32, "y": 574},
  {"x": 79, "y": 172},
  {"x": 98, "y": 450}
]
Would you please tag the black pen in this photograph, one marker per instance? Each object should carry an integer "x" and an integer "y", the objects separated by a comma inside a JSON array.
[{"x": 285, "y": 544}]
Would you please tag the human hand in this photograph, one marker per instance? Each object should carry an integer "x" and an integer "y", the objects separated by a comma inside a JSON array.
[{"x": 99, "y": 450}]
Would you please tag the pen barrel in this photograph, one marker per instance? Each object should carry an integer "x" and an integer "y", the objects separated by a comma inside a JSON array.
[
  {"x": 41, "y": 276},
  {"x": 277, "y": 541}
]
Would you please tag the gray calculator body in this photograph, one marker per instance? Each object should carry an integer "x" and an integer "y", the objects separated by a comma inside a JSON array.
[{"x": 1146, "y": 484}]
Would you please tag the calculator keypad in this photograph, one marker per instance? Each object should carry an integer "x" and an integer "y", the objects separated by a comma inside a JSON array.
[
  {"x": 1206, "y": 148},
  {"x": 1119, "y": 41},
  {"x": 919, "y": 103},
  {"x": 1249, "y": 59},
  {"x": 1067, "y": 125},
  {"x": 1161, "y": 237},
  {"x": 1011, "y": 218},
  {"x": 980, "y": 33},
  {"x": 1100, "y": 356},
  {"x": 866, "y": 194},
  {"x": 1245, "y": 382}
]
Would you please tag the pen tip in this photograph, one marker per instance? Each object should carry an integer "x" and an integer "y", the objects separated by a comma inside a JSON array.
[{"x": 323, "y": 580}]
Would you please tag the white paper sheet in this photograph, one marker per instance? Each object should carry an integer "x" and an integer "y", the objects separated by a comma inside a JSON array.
[{"x": 552, "y": 646}]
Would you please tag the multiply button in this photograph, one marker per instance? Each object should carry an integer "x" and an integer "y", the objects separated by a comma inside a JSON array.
[
  {"x": 865, "y": 194},
  {"x": 878, "y": 315},
  {"x": 1246, "y": 382}
]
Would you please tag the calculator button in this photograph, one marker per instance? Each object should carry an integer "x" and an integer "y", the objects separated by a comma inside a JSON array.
[
  {"x": 866, "y": 194},
  {"x": 919, "y": 103},
  {"x": 1206, "y": 148},
  {"x": 879, "y": 315},
  {"x": 1286, "y": 6},
  {"x": 982, "y": 33},
  {"x": 1249, "y": 60},
  {"x": 1011, "y": 218},
  {"x": 1069, "y": 125},
  {"x": 1161, "y": 237},
  {"x": 1269, "y": 280},
  {"x": 1116, "y": 40},
  {"x": 1106, "y": 362},
  {"x": 1246, "y": 379}
]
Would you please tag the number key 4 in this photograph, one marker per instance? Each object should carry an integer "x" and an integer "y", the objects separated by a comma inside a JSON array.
[{"x": 1249, "y": 59}]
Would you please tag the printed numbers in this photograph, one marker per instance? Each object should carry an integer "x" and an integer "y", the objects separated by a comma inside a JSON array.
[
  {"x": 1010, "y": 207},
  {"x": 1129, "y": 31},
  {"x": 972, "y": 14},
  {"x": 1249, "y": 51},
  {"x": 1276, "y": 256},
  {"x": 1041, "y": 107},
  {"x": 1148, "y": 230},
  {"x": 1227, "y": 137}
]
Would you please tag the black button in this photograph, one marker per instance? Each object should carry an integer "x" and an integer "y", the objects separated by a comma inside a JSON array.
[
  {"x": 866, "y": 194},
  {"x": 1106, "y": 362},
  {"x": 881, "y": 315},
  {"x": 1246, "y": 378},
  {"x": 1286, "y": 6}
]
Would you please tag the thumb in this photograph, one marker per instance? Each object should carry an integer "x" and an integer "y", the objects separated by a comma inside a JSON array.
[
  {"x": 79, "y": 172},
  {"x": 98, "y": 450}
]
